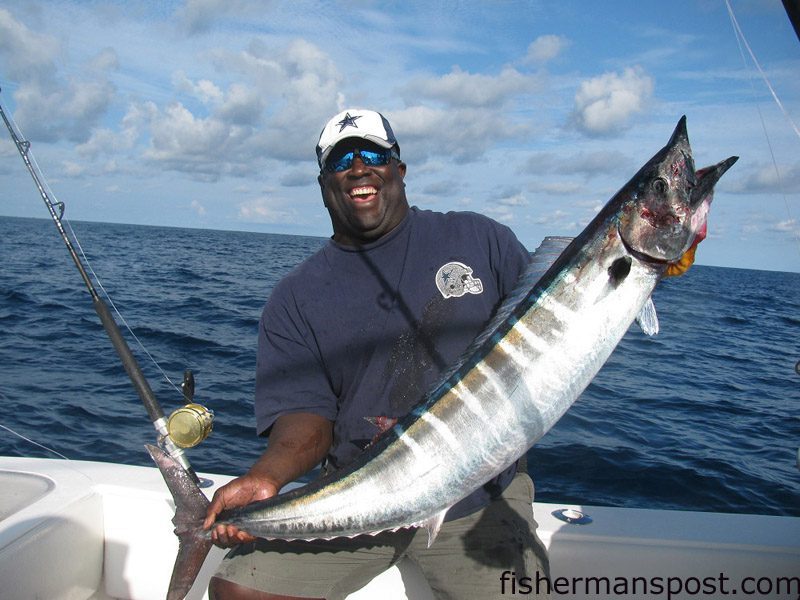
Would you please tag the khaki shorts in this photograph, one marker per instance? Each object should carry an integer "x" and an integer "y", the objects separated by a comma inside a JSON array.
[{"x": 467, "y": 560}]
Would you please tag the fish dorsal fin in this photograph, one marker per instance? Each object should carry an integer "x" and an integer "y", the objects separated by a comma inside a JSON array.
[
  {"x": 541, "y": 260},
  {"x": 545, "y": 255},
  {"x": 647, "y": 318}
]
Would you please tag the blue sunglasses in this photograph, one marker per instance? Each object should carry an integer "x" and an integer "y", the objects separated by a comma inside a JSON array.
[{"x": 370, "y": 158}]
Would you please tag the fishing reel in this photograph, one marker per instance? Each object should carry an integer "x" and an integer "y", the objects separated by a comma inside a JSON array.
[{"x": 189, "y": 425}]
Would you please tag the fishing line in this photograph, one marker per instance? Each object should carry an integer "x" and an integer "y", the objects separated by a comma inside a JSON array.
[
  {"x": 88, "y": 263},
  {"x": 29, "y": 440},
  {"x": 116, "y": 311},
  {"x": 95, "y": 278},
  {"x": 193, "y": 422},
  {"x": 67, "y": 460},
  {"x": 740, "y": 35},
  {"x": 741, "y": 40}
]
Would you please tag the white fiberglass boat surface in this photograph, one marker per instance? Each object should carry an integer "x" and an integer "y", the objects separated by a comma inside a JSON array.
[{"x": 78, "y": 530}]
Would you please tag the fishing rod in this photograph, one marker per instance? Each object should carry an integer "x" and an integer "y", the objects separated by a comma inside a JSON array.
[{"x": 188, "y": 425}]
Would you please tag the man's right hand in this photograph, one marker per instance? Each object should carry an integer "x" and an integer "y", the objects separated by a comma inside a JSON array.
[
  {"x": 297, "y": 443},
  {"x": 239, "y": 492}
]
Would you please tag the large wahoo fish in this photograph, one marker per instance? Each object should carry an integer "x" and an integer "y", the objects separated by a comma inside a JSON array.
[{"x": 538, "y": 354}]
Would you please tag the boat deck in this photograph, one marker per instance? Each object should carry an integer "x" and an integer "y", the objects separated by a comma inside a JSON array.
[{"x": 100, "y": 531}]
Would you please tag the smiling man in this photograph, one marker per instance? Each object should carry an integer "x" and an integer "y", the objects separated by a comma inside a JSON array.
[
  {"x": 349, "y": 342},
  {"x": 366, "y": 197}
]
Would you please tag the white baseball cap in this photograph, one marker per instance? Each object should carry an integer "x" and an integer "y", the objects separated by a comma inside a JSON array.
[{"x": 355, "y": 123}]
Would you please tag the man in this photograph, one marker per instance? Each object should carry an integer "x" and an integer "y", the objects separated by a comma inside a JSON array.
[{"x": 350, "y": 341}]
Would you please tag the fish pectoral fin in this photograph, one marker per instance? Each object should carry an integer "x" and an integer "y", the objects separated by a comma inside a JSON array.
[
  {"x": 647, "y": 318},
  {"x": 433, "y": 525}
]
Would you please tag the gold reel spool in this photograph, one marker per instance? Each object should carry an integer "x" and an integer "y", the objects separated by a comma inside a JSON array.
[{"x": 190, "y": 425}]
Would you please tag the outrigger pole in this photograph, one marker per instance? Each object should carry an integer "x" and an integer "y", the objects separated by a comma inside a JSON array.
[{"x": 130, "y": 363}]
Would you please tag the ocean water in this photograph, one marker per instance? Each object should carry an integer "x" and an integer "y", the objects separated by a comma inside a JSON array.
[{"x": 703, "y": 416}]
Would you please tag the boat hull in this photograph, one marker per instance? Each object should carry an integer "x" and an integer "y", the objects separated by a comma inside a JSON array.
[{"x": 91, "y": 530}]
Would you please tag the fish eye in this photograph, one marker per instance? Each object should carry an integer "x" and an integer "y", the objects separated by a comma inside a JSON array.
[{"x": 660, "y": 185}]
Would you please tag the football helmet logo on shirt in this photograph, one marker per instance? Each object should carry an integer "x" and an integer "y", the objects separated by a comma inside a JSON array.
[{"x": 455, "y": 279}]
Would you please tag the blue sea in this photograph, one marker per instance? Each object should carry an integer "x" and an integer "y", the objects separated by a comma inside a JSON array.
[{"x": 703, "y": 416}]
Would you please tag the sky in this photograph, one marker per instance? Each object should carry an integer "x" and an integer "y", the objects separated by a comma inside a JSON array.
[{"x": 205, "y": 113}]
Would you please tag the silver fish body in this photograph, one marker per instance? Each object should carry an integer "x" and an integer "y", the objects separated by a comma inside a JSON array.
[{"x": 519, "y": 377}]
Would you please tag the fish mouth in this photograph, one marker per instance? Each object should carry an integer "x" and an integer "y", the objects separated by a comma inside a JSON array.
[
  {"x": 669, "y": 207},
  {"x": 707, "y": 179},
  {"x": 691, "y": 216},
  {"x": 639, "y": 255}
]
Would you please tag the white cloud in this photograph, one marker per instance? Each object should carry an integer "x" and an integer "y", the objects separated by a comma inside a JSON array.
[
  {"x": 287, "y": 94},
  {"x": 105, "y": 141},
  {"x": 242, "y": 105},
  {"x": 299, "y": 84},
  {"x": 462, "y": 89},
  {"x": 460, "y": 135},
  {"x": 101, "y": 141},
  {"x": 447, "y": 187},
  {"x": 72, "y": 107},
  {"x": 557, "y": 220},
  {"x": 586, "y": 164},
  {"x": 73, "y": 169},
  {"x": 264, "y": 210},
  {"x": 26, "y": 54},
  {"x": 545, "y": 48},
  {"x": 198, "y": 16},
  {"x": 517, "y": 199},
  {"x": 124, "y": 91},
  {"x": 105, "y": 60},
  {"x": 558, "y": 188},
  {"x": 184, "y": 142},
  {"x": 605, "y": 105},
  {"x": 300, "y": 176},
  {"x": 788, "y": 226},
  {"x": 783, "y": 179},
  {"x": 500, "y": 213},
  {"x": 198, "y": 207},
  {"x": 204, "y": 90}
]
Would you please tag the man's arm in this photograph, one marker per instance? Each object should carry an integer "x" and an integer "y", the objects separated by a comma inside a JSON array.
[{"x": 297, "y": 443}]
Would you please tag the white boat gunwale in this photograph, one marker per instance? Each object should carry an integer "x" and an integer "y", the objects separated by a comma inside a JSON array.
[{"x": 99, "y": 531}]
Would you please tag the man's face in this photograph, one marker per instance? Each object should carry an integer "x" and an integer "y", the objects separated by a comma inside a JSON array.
[{"x": 365, "y": 202}]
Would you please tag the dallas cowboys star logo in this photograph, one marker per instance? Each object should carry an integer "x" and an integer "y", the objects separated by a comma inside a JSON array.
[{"x": 348, "y": 121}]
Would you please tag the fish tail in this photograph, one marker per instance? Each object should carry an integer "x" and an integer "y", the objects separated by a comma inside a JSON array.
[{"x": 190, "y": 512}]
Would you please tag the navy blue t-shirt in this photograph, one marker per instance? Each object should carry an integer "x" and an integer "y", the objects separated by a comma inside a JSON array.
[{"x": 359, "y": 335}]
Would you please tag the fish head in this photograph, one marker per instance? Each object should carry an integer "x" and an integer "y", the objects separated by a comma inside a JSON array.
[{"x": 668, "y": 201}]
